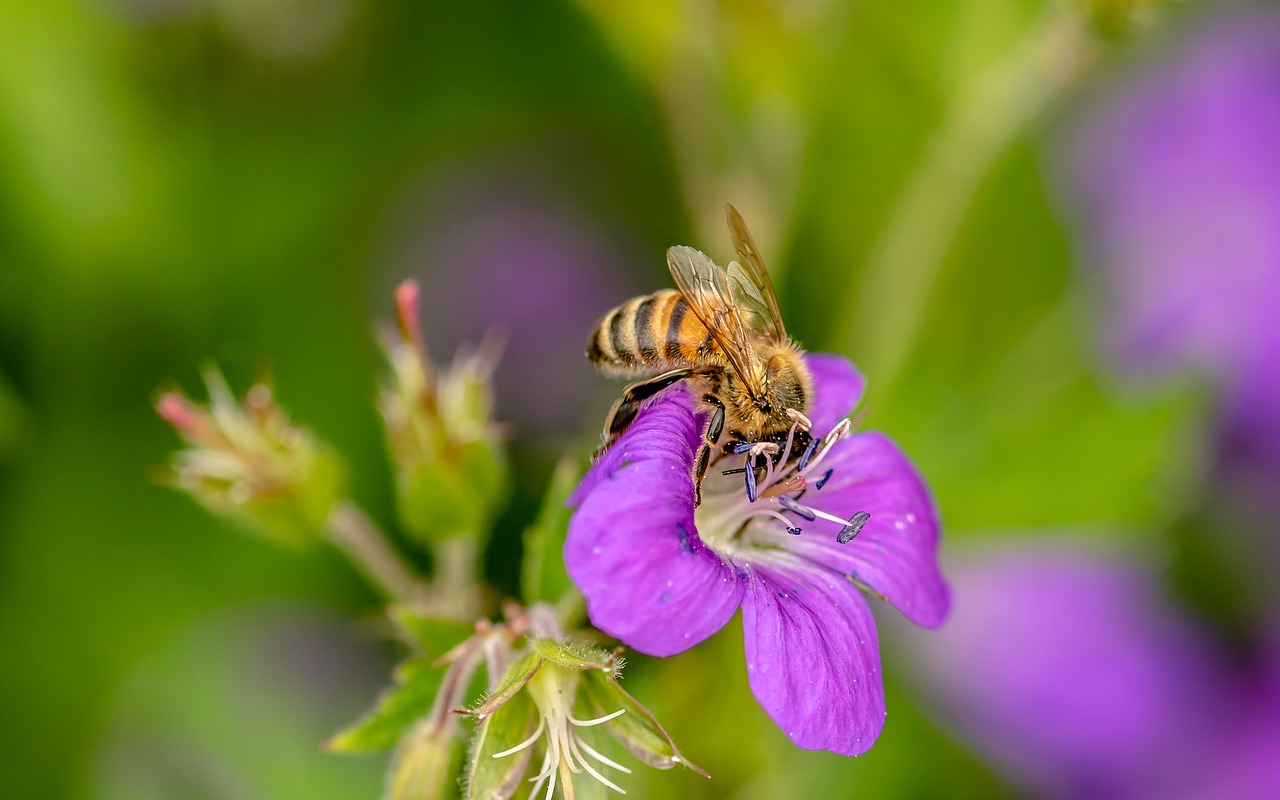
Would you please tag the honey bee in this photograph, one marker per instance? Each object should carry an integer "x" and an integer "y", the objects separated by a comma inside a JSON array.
[{"x": 721, "y": 332}]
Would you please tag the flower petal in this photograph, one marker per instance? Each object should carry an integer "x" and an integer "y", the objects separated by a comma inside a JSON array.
[
  {"x": 837, "y": 388},
  {"x": 812, "y": 657},
  {"x": 896, "y": 552},
  {"x": 1068, "y": 668},
  {"x": 633, "y": 551},
  {"x": 668, "y": 428}
]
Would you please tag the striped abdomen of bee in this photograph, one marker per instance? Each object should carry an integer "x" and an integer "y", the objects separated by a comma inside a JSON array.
[{"x": 651, "y": 334}]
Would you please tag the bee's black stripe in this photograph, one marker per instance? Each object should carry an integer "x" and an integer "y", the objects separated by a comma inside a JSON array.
[
  {"x": 623, "y": 354},
  {"x": 708, "y": 345},
  {"x": 673, "y": 331},
  {"x": 646, "y": 341},
  {"x": 594, "y": 351}
]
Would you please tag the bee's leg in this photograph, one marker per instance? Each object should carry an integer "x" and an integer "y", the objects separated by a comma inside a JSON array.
[
  {"x": 700, "y": 470},
  {"x": 624, "y": 411},
  {"x": 715, "y": 427}
]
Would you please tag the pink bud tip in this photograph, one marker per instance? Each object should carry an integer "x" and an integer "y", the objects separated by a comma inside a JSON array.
[
  {"x": 406, "y": 299},
  {"x": 407, "y": 311},
  {"x": 185, "y": 417},
  {"x": 177, "y": 411}
]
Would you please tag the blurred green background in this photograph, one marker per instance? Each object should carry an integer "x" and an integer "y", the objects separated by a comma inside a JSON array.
[{"x": 245, "y": 180}]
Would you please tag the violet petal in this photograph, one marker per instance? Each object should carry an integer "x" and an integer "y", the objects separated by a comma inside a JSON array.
[
  {"x": 838, "y": 387},
  {"x": 633, "y": 551},
  {"x": 668, "y": 428},
  {"x": 813, "y": 661},
  {"x": 896, "y": 552}
]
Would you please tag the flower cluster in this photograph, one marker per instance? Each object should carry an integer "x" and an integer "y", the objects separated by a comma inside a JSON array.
[
  {"x": 790, "y": 543},
  {"x": 450, "y": 470},
  {"x": 546, "y": 691},
  {"x": 245, "y": 460}
]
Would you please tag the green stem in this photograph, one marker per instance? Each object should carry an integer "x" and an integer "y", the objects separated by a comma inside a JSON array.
[
  {"x": 896, "y": 287},
  {"x": 370, "y": 550},
  {"x": 455, "y": 590}
]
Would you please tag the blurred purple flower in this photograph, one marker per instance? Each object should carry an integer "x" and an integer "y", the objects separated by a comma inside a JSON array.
[
  {"x": 500, "y": 252},
  {"x": 662, "y": 575},
  {"x": 1066, "y": 669},
  {"x": 1177, "y": 186}
]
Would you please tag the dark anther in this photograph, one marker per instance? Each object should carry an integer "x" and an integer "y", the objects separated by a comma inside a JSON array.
[
  {"x": 793, "y": 531},
  {"x": 806, "y": 455},
  {"x": 741, "y": 447},
  {"x": 851, "y": 530},
  {"x": 751, "y": 481},
  {"x": 826, "y": 476},
  {"x": 793, "y": 507}
]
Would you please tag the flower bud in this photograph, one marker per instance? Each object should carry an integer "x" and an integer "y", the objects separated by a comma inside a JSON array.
[
  {"x": 541, "y": 699},
  {"x": 425, "y": 764},
  {"x": 244, "y": 460},
  {"x": 450, "y": 467}
]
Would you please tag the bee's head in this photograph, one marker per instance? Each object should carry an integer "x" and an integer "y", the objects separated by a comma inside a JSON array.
[{"x": 787, "y": 386}]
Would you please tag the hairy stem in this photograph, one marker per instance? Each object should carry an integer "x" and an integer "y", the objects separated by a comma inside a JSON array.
[
  {"x": 455, "y": 590},
  {"x": 370, "y": 550}
]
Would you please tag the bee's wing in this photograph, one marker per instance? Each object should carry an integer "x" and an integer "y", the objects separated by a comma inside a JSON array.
[
  {"x": 705, "y": 287},
  {"x": 750, "y": 280}
]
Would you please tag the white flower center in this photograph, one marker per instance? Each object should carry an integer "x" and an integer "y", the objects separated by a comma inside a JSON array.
[{"x": 769, "y": 485}]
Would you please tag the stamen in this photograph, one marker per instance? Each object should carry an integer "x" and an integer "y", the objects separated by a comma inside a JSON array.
[
  {"x": 826, "y": 476},
  {"x": 566, "y": 753},
  {"x": 837, "y": 433},
  {"x": 800, "y": 419},
  {"x": 807, "y": 454},
  {"x": 573, "y": 747},
  {"x": 851, "y": 530},
  {"x": 591, "y": 751},
  {"x": 764, "y": 512},
  {"x": 795, "y": 485},
  {"x": 791, "y": 438},
  {"x": 542, "y": 722},
  {"x": 751, "y": 479},
  {"x": 741, "y": 447},
  {"x": 796, "y": 508},
  {"x": 550, "y": 765},
  {"x": 840, "y": 430},
  {"x": 587, "y": 723},
  {"x": 793, "y": 530}
]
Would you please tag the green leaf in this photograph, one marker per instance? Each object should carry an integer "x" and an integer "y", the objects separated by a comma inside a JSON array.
[
  {"x": 432, "y": 636},
  {"x": 517, "y": 675},
  {"x": 576, "y": 655},
  {"x": 543, "y": 575},
  {"x": 636, "y": 730},
  {"x": 417, "y": 683},
  {"x": 490, "y": 778}
]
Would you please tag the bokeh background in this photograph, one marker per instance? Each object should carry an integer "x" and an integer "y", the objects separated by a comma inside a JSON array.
[{"x": 1049, "y": 233}]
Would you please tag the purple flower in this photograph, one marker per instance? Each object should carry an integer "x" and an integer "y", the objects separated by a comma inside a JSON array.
[
  {"x": 662, "y": 575},
  {"x": 1176, "y": 178},
  {"x": 1066, "y": 669}
]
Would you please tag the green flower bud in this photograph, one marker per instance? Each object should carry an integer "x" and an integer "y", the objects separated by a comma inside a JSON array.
[
  {"x": 425, "y": 764},
  {"x": 451, "y": 473},
  {"x": 245, "y": 461},
  {"x": 568, "y": 682}
]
